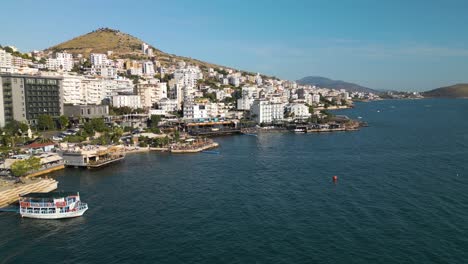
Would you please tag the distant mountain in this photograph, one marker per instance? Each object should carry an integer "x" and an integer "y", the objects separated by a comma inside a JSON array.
[
  {"x": 122, "y": 46},
  {"x": 455, "y": 91},
  {"x": 334, "y": 84}
]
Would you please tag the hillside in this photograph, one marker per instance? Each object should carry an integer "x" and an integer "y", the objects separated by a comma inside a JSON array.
[
  {"x": 121, "y": 44},
  {"x": 455, "y": 91},
  {"x": 334, "y": 84}
]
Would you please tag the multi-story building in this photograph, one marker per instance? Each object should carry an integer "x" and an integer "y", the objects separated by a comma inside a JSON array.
[
  {"x": 6, "y": 64},
  {"x": 71, "y": 86},
  {"x": 132, "y": 101},
  {"x": 98, "y": 59},
  {"x": 26, "y": 97},
  {"x": 298, "y": 111},
  {"x": 148, "y": 68},
  {"x": 151, "y": 92},
  {"x": 266, "y": 112},
  {"x": 61, "y": 62},
  {"x": 5, "y": 59},
  {"x": 188, "y": 76},
  {"x": 168, "y": 105},
  {"x": 92, "y": 91}
]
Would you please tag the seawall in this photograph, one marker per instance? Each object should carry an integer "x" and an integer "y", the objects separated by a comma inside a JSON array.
[{"x": 10, "y": 195}]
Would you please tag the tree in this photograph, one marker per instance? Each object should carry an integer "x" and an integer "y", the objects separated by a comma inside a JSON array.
[
  {"x": 15, "y": 127},
  {"x": 155, "y": 119},
  {"x": 98, "y": 124},
  {"x": 63, "y": 121},
  {"x": 22, "y": 167},
  {"x": 88, "y": 128},
  {"x": 45, "y": 122},
  {"x": 177, "y": 135}
]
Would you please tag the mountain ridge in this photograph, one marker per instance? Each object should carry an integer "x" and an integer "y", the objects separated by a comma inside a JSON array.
[
  {"x": 335, "y": 84},
  {"x": 459, "y": 90}
]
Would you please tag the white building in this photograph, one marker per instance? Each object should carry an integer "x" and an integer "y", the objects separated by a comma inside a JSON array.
[
  {"x": 61, "y": 62},
  {"x": 266, "y": 112},
  {"x": 188, "y": 76},
  {"x": 98, "y": 59},
  {"x": 199, "y": 111},
  {"x": 168, "y": 105},
  {"x": 235, "y": 81},
  {"x": 92, "y": 91},
  {"x": 298, "y": 111},
  {"x": 316, "y": 98},
  {"x": 132, "y": 101},
  {"x": 245, "y": 103},
  {"x": 72, "y": 86},
  {"x": 148, "y": 68},
  {"x": 5, "y": 61},
  {"x": 108, "y": 72},
  {"x": 144, "y": 48}
]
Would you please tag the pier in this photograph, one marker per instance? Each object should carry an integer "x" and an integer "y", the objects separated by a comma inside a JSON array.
[{"x": 9, "y": 194}]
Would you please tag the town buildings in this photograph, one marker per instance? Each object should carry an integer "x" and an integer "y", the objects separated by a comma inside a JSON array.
[{"x": 25, "y": 97}]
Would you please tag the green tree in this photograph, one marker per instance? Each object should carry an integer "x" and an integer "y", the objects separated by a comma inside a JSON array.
[
  {"x": 88, "y": 128},
  {"x": 98, "y": 124},
  {"x": 22, "y": 167},
  {"x": 63, "y": 121},
  {"x": 155, "y": 119},
  {"x": 45, "y": 122}
]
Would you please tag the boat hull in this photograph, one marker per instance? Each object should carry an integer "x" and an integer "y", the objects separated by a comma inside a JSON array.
[{"x": 56, "y": 215}]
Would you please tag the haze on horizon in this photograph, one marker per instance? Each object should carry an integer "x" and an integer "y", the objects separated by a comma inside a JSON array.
[{"x": 399, "y": 45}]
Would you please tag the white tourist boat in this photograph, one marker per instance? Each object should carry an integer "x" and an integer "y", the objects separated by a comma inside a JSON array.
[{"x": 54, "y": 205}]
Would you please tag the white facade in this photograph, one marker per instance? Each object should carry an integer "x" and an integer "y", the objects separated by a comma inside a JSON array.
[
  {"x": 148, "y": 68},
  {"x": 72, "y": 86},
  {"x": 168, "y": 105},
  {"x": 105, "y": 71},
  {"x": 92, "y": 91},
  {"x": 316, "y": 98},
  {"x": 267, "y": 112},
  {"x": 132, "y": 101},
  {"x": 244, "y": 103},
  {"x": 196, "y": 111},
  {"x": 98, "y": 59},
  {"x": 6, "y": 64},
  {"x": 299, "y": 111},
  {"x": 235, "y": 81},
  {"x": 188, "y": 76},
  {"x": 62, "y": 62}
]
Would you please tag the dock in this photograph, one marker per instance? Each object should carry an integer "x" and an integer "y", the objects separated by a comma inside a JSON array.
[{"x": 9, "y": 194}]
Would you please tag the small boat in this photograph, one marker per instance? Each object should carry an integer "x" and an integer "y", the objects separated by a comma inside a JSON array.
[
  {"x": 54, "y": 205},
  {"x": 299, "y": 130}
]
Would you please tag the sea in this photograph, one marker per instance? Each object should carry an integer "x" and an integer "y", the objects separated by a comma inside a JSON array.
[{"x": 401, "y": 197}]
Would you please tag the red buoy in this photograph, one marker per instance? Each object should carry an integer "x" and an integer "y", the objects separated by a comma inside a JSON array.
[{"x": 335, "y": 178}]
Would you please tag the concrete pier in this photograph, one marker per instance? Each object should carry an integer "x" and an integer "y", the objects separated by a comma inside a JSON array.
[{"x": 10, "y": 194}]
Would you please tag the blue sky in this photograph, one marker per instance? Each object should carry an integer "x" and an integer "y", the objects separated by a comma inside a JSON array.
[{"x": 403, "y": 45}]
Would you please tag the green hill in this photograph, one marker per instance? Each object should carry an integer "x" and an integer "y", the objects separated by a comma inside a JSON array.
[
  {"x": 455, "y": 91},
  {"x": 122, "y": 45}
]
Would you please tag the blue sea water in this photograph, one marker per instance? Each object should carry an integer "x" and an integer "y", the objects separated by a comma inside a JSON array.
[{"x": 401, "y": 197}]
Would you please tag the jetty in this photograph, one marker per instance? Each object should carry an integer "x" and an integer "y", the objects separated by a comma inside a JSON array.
[
  {"x": 91, "y": 156},
  {"x": 193, "y": 146},
  {"x": 10, "y": 191}
]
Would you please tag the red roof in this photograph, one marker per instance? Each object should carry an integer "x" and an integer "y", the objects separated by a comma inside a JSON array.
[{"x": 39, "y": 145}]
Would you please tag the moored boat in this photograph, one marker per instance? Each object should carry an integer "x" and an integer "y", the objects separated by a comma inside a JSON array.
[{"x": 54, "y": 205}]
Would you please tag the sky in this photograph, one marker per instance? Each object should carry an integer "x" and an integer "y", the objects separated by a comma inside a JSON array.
[{"x": 396, "y": 45}]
